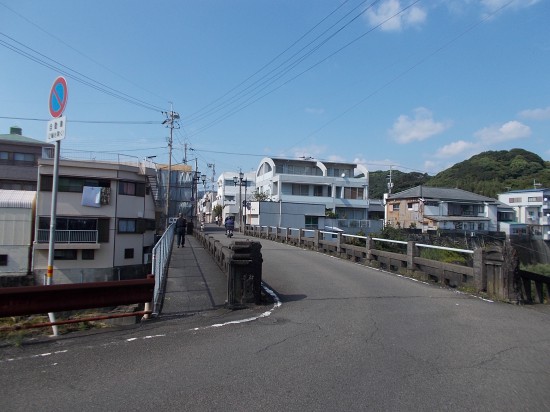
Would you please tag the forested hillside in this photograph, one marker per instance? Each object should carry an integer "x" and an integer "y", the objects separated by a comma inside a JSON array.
[{"x": 487, "y": 173}]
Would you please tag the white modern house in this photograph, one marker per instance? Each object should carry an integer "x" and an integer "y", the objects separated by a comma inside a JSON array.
[
  {"x": 105, "y": 221},
  {"x": 17, "y": 208},
  {"x": 341, "y": 188},
  {"x": 532, "y": 210},
  {"x": 233, "y": 189}
]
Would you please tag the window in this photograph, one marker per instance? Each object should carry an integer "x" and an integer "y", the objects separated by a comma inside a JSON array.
[
  {"x": 311, "y": 222},
  {"x": 4, "y": 156},
  {"x": 23, "y": 157},
  {"x": 395, "y": 207},
  {"x": 131, "y": 189},
  {"x": 88, "y": 254},
  {"x": 127, "y": 225},
  {"x": 481, "y": 226},
  {"x": 353, "y": 192},
  {"x": 71, "y": 184},
  {"x": 514, "y": 200},
  {"x": 317, "y": 190},
  {"x": 3, "y": 260},
  {"x": 128, "y": 253},
  {"x": 534, "y": 199},
  {"x": 64, "y": 254},
  {"x": 300, "y": 190}
]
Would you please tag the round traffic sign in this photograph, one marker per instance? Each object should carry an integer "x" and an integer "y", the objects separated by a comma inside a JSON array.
[{"x": 58, "y": 97}]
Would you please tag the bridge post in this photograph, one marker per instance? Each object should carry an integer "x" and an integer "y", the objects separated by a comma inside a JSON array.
[
  {"x": 412, "y": 252},
  {"x": 244, "y": 276}
]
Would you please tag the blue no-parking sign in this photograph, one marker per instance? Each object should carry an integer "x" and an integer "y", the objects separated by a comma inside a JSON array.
[{"x": 58, "y": 97}]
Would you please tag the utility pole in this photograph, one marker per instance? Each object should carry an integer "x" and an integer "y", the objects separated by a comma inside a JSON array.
[{"x": 171, "y": 121}]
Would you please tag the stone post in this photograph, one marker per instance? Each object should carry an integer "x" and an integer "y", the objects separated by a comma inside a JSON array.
[{"x": 412, "y": 252}]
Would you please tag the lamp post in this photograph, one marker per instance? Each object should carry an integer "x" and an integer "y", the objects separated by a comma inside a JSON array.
[{"x": 239, "y": 181}]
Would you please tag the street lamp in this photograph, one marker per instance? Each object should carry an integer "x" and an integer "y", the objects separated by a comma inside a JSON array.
[{"x": 239, "y": 181}]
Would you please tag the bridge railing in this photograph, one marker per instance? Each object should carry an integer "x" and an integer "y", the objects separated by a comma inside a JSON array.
[
  {"x": 483, "y": 273},
  {"x": 161, "y": 259}
]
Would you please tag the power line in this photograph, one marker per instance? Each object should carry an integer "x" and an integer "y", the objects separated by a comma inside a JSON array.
[
  {"x": 79, "y": 52},
  {"x": 155, "y": 122},
  {"x": 73, "y": 74}
]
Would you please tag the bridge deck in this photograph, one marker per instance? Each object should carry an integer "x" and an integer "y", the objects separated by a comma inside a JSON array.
[{"x": 195, "y": 282}]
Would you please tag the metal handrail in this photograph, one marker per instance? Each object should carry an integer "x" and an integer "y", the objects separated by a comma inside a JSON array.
[
  {"x": 161, "y": 259},
  {"x": 68, "y": 236}
]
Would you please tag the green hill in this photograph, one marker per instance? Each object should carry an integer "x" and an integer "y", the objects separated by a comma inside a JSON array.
[{"x": 487, "y": 173}]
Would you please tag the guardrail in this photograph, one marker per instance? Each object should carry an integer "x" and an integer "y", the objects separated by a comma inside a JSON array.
[
  {"x": 484, "y": 274},
  {"x": 161, "y": 259}
]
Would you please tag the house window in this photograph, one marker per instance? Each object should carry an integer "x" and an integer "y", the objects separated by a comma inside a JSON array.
[
  {"x": 534, "y": 199},
  {"x": 131, "y": 189},
  {"x": 127, "y": 225},
  {"x": 3, "y": 260},
  {"x": 128, "y": 253},
  {"x": 88, "y": 254},
  {"x": 481, "y": 226},
  {"x": 312, "y": 222},
  {"x": 317, "y": 190},
  {"x": 23, "y": 157},
  {"x": 300, "y": 190},
  {"x": 353, "y": 192},
  {"x": 64, "y": 254},
  {"x": 514, "y": 200},
  {"x": 395, "y": 207},
  {"x": 71, "y": 184},
  {"x": 4, "y": 156}
]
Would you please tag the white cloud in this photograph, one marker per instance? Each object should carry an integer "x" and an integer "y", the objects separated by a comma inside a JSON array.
[
  {"x": 536, "y": 114},
  {"x": 388, "y": 15},
  {"x": 511, "y": 130},
  {"x": 455, "y": 148},
  {"x": 421, "y": 127}
]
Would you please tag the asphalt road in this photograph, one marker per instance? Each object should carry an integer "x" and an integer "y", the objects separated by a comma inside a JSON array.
[{"x": 345, "y": 338}]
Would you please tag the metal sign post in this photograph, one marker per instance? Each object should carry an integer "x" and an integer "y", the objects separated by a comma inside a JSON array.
[{"x": 56, "y": 132}]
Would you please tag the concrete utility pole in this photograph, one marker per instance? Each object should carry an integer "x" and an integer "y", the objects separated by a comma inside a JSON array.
[{"x": 171, "y": 121}]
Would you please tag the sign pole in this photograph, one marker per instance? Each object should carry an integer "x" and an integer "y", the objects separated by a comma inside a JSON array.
[
  {"x": 53, "y": 217},
  {"x": 56, "y": 132}
]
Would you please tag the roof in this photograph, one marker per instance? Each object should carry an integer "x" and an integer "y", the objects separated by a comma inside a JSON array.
[
  {"x": 440, "y": 193},
  {"x": 18, "y": 139},
  {"x": 22, "y": 199}
]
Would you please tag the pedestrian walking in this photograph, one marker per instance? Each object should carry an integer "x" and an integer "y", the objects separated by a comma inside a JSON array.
[{"x": 181, "y": 226}]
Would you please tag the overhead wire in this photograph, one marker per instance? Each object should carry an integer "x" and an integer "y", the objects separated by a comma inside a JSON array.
[
  {"x": 62, "y": 41},
  {"x": 73, "y": 74},
  {"x": 284, "y": 67}
]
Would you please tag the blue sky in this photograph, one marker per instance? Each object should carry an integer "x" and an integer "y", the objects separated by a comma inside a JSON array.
[{"x": 419, "y": 85}]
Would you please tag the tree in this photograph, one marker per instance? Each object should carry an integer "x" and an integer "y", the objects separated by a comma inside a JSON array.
[
  {"x": 259, "y": 196},
  {"x": 217, "y": 211}
]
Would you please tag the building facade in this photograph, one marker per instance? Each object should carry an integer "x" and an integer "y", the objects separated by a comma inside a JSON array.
[
  {"x": 532, "y": 210},
  {"x": 342, "y": 188},
  {"x": 105, "y": 221},
  {"x": 19, "y": 157},
  {"x": 231, "y": 192},
  {"x": 17, "y": 208},
  {"x": 435, "y": 208}
]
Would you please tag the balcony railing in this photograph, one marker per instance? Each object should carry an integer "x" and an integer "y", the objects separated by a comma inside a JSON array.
[{"x": 68, "y": 236}]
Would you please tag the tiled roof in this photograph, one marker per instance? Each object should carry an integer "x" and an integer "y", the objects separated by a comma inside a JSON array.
[
  {"x": 440, "y": 193},
  {"x": 16, "y": 138}
]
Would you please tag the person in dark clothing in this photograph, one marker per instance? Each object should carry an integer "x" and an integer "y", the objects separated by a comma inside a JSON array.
[{"x": 181, "y": 225}]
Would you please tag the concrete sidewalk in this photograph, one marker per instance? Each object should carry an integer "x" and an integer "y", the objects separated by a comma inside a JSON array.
[{"x": 195, "y": 282}]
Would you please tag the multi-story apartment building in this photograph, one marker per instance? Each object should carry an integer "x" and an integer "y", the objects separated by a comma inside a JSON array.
[
  {"x": 232, "y": 191},
  {"x": 19, "y": 157},
  {"x": 437, "y": 208},
  {"x": 341, "y": 187},
  {"x": 532, "y": 208},
  {"x": 105, "y": 225}
]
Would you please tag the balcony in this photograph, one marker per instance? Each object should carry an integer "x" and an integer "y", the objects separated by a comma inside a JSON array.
[{"x": 68, "y": 236}]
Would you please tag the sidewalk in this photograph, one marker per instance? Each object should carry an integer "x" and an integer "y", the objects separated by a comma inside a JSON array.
[{"x": 195, "y": 282}]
